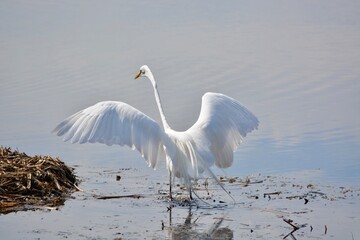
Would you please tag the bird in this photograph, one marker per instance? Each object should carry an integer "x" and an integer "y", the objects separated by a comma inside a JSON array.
[{"x": 219, "y": 130}]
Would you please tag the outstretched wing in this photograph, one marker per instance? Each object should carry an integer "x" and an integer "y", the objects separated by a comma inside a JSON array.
[
  {"x": 220, "y": 128},
  {"x": 114, "y": 123}
]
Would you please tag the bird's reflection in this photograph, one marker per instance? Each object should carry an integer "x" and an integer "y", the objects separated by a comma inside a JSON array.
[{"x": 188, "y": 230}]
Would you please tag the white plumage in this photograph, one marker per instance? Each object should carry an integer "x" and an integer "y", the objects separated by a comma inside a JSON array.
[
  {"x": 114, "y": 123},
  {"x": 219, "y": 130}
]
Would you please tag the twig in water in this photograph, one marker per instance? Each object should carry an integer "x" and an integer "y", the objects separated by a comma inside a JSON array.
[
  {"x": 272, "y": 193},
  {"x": 291, "y": 234},
  {"x": 228, "y": 219},
  {"x": 295, "y": 228},
  {"x": 317, "y": 192},
  {"x": 121, "y": 196},
  {"x": 289, "y": 221}
]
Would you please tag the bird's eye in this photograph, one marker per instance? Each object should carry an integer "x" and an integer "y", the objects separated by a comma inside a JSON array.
[{"x": 142, "y": 71}]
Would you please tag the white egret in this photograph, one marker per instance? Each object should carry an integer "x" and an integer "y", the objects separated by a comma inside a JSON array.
[{"x": 219, "y": 130}]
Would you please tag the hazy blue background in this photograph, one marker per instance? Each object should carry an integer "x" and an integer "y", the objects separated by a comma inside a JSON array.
[{"x": 294, "y": 64}]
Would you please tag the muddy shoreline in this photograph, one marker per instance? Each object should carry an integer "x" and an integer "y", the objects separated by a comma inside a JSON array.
[{"x": 137, "y": 206}]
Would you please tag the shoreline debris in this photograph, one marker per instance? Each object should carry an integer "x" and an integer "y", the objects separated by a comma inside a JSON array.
[
  {"x": 33, "y": 182},
  {"x": 294, "y": 226}
]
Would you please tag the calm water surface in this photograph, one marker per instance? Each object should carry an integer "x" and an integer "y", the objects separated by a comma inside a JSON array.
[{"x": 295, "y": 65}]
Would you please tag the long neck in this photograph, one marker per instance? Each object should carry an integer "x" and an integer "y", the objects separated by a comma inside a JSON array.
[{"x": 158, "y": 102}]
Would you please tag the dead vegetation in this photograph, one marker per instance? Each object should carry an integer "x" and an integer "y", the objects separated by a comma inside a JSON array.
[{"x": 33, "y": 182}]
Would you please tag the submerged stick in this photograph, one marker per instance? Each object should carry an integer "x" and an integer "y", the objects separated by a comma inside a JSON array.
[
  {"x": 120, "y": 196},
  {"x": 272, "y": 193},
  {"x": 288, "y": 221},
  {"x": 295, "y": 227}
]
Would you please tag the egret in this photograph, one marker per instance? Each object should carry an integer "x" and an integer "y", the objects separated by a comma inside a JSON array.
[{"x": 222, "y": 124}]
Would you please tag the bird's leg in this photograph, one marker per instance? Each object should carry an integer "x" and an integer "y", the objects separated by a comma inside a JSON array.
[
  {"x": 190, "y": 191},
  {"x": 170, "y": 190}
]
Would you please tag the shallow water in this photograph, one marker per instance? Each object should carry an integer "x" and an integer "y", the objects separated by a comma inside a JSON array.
[{"x": 295, "y": 65}]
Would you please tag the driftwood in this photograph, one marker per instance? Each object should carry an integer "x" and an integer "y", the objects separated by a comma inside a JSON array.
[
  {"x": 295, "y": 228},
  {"x": 27, "y": 182},
  {"x": 120, "y": 196}
]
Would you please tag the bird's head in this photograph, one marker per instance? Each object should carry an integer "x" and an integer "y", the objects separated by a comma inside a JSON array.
[{"x": 144, "y": 72}]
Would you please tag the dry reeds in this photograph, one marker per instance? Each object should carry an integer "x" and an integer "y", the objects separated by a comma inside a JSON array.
[{"x": 32, "y": 182}]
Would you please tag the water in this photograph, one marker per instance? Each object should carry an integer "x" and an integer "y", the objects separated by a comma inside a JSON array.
[{"x": 295, "y": 65}]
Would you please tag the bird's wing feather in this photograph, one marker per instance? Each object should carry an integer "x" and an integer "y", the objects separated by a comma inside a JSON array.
[
  {"x": 115, "y": 123},
  {"x": 220, "y": 128}
]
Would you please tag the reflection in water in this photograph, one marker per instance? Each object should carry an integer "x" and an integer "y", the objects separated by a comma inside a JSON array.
[
  {"x": 301, "y": 79},
  {"x": 187, "y": 230}
]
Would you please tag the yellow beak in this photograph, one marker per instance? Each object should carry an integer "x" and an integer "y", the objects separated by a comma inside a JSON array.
[{"x": 138, "y": 75}]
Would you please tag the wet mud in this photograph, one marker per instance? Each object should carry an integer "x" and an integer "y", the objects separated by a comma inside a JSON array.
[{"x": 134, "y": 204}]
